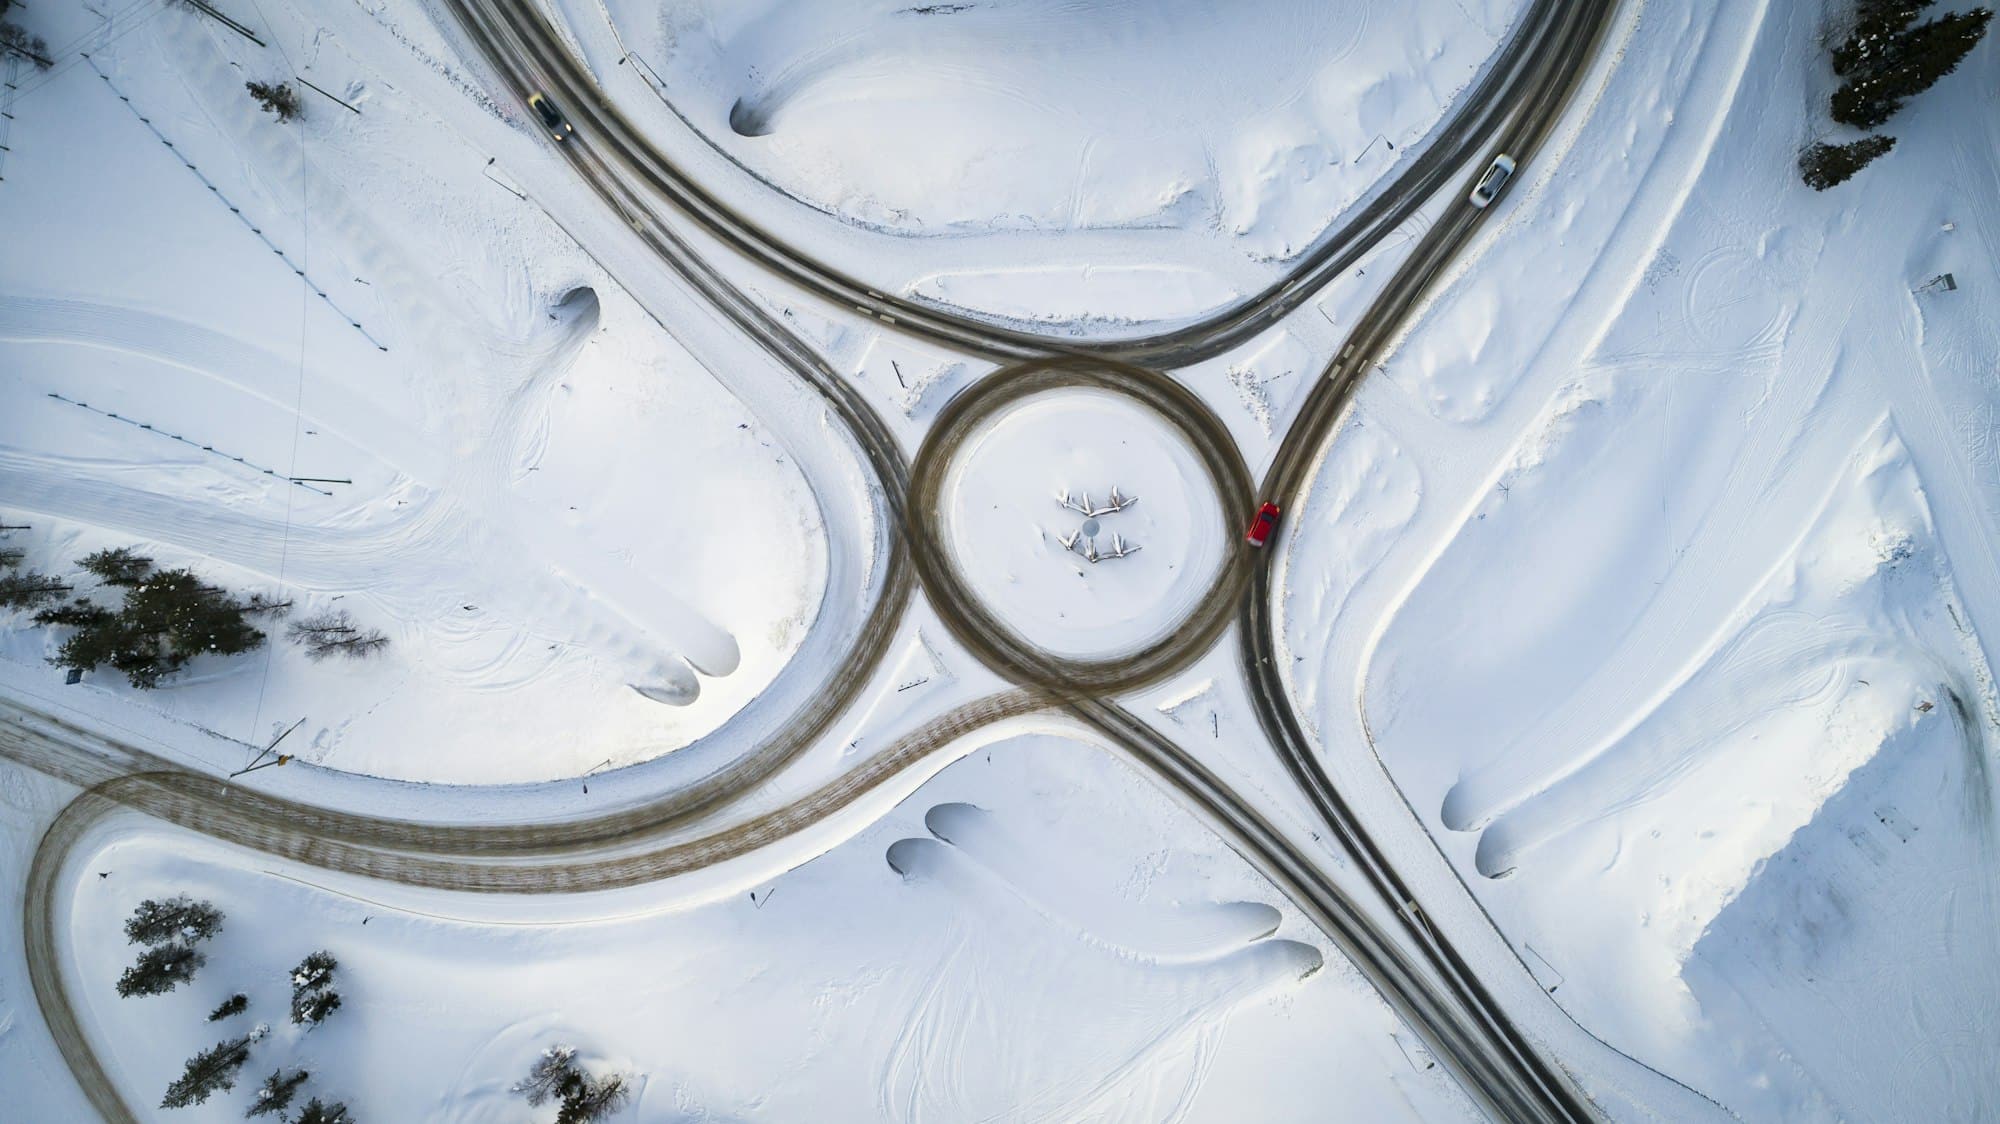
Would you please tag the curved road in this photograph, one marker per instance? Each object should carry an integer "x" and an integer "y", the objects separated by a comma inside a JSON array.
[
  {"x": 1289, "y": 473},
  {"x": 631, "y": 846},
  {"x": 517, "y": 39}
]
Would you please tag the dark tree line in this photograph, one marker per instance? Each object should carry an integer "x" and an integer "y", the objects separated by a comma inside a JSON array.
[
  {"x": 1886, "y": 59},
  {"x": 162, "y": 619}
]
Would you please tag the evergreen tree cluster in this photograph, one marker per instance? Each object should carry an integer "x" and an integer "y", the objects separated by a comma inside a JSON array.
[
  {"x": 579, "y": 1097},
  {"x": 170, "y": 930},
  {"x": 313, "y": 997},
  {"x": 167, "y": 618},
  {"x": 1886, "y": 59}
]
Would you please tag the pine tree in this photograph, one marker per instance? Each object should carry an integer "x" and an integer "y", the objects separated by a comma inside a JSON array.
[
  {"x": 11, "y": 557},
  {"x": 1934, "y": 48},
  {"x": 117, "y": 567},
  {"x": 1877, "y": 23},
  {"x": 211, "y": 1070},
  {"x": 313, "y": 997},
  {"x": 549, "y": 1076},
  {"x": 234, "y": 1005},
  {"x": 1900, "y": 67},
  {"x": 592, "y": 1099},
  {"x": 26, "y": 588},
  {"x": 580, "y": 1098},
  {"x": 179, "y": 917},
  {"x": 1824, "y": 165},
  {"x": 279, "y": 99},
  {"x": 317, "y": 1113},
  {"x": 277, "y": 1093},
  {"x": 161, "y": 969}
]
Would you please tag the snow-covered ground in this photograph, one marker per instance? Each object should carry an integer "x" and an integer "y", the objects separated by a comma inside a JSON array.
[
  {"x": 1658, "y": 569},
  {"x": 1131, "y": 486},
  {"x": 1644, "y": 595},
  {"x": 1086, "y": 164},
  {"x": 1035, "y": 934},
  {"x": 543, "y": 499}
]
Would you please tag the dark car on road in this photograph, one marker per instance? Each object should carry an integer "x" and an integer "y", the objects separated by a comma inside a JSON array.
[{"x": 551, "y": 116}]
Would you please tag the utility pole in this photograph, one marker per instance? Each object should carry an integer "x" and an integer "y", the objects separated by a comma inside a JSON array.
[{"x": 258, "y": 761}]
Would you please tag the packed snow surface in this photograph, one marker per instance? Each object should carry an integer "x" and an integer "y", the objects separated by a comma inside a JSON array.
[{"x": 1005, "y": 521}]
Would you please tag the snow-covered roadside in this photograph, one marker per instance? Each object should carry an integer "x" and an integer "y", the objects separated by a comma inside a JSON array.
[
  {"x": 1689, "y": 511},
  {"x": 548, "y": 495},
  {"x": 1145, "y": 977},
  {"x": 1065, "y": 155}
]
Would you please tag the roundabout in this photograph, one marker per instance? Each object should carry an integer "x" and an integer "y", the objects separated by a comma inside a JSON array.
[{"x": 1104, "y": 557}]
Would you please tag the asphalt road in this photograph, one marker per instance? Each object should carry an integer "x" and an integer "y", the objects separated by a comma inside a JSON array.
[
  {"x": 640, "y": 844},
  {"x": 517, "y": 39},
  {"x": 1284, "y": 484}
]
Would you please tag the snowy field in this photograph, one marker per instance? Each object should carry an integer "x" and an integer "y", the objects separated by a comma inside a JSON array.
[
  {"x": 1640, "y": 605},
  {"x": 1156, "y": 543},
  {"x": 544, "y": 500},
  {"x": 1658, "y": 569},
  {"x": 1036, "y": 933},
  {"x": 1039, "y": 161}
]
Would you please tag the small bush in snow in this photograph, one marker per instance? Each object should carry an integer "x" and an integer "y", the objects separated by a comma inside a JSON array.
[{"x": 332, "y": 632}]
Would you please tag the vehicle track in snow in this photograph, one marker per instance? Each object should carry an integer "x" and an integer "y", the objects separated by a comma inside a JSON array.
[{"x": 1433, "y": 990}]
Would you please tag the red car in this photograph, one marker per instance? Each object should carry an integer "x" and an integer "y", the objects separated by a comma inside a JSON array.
[{"x": 1260, "y": 527}]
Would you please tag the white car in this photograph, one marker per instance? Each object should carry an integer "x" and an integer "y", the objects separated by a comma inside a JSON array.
[{"x": 1496, "y": 177}]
